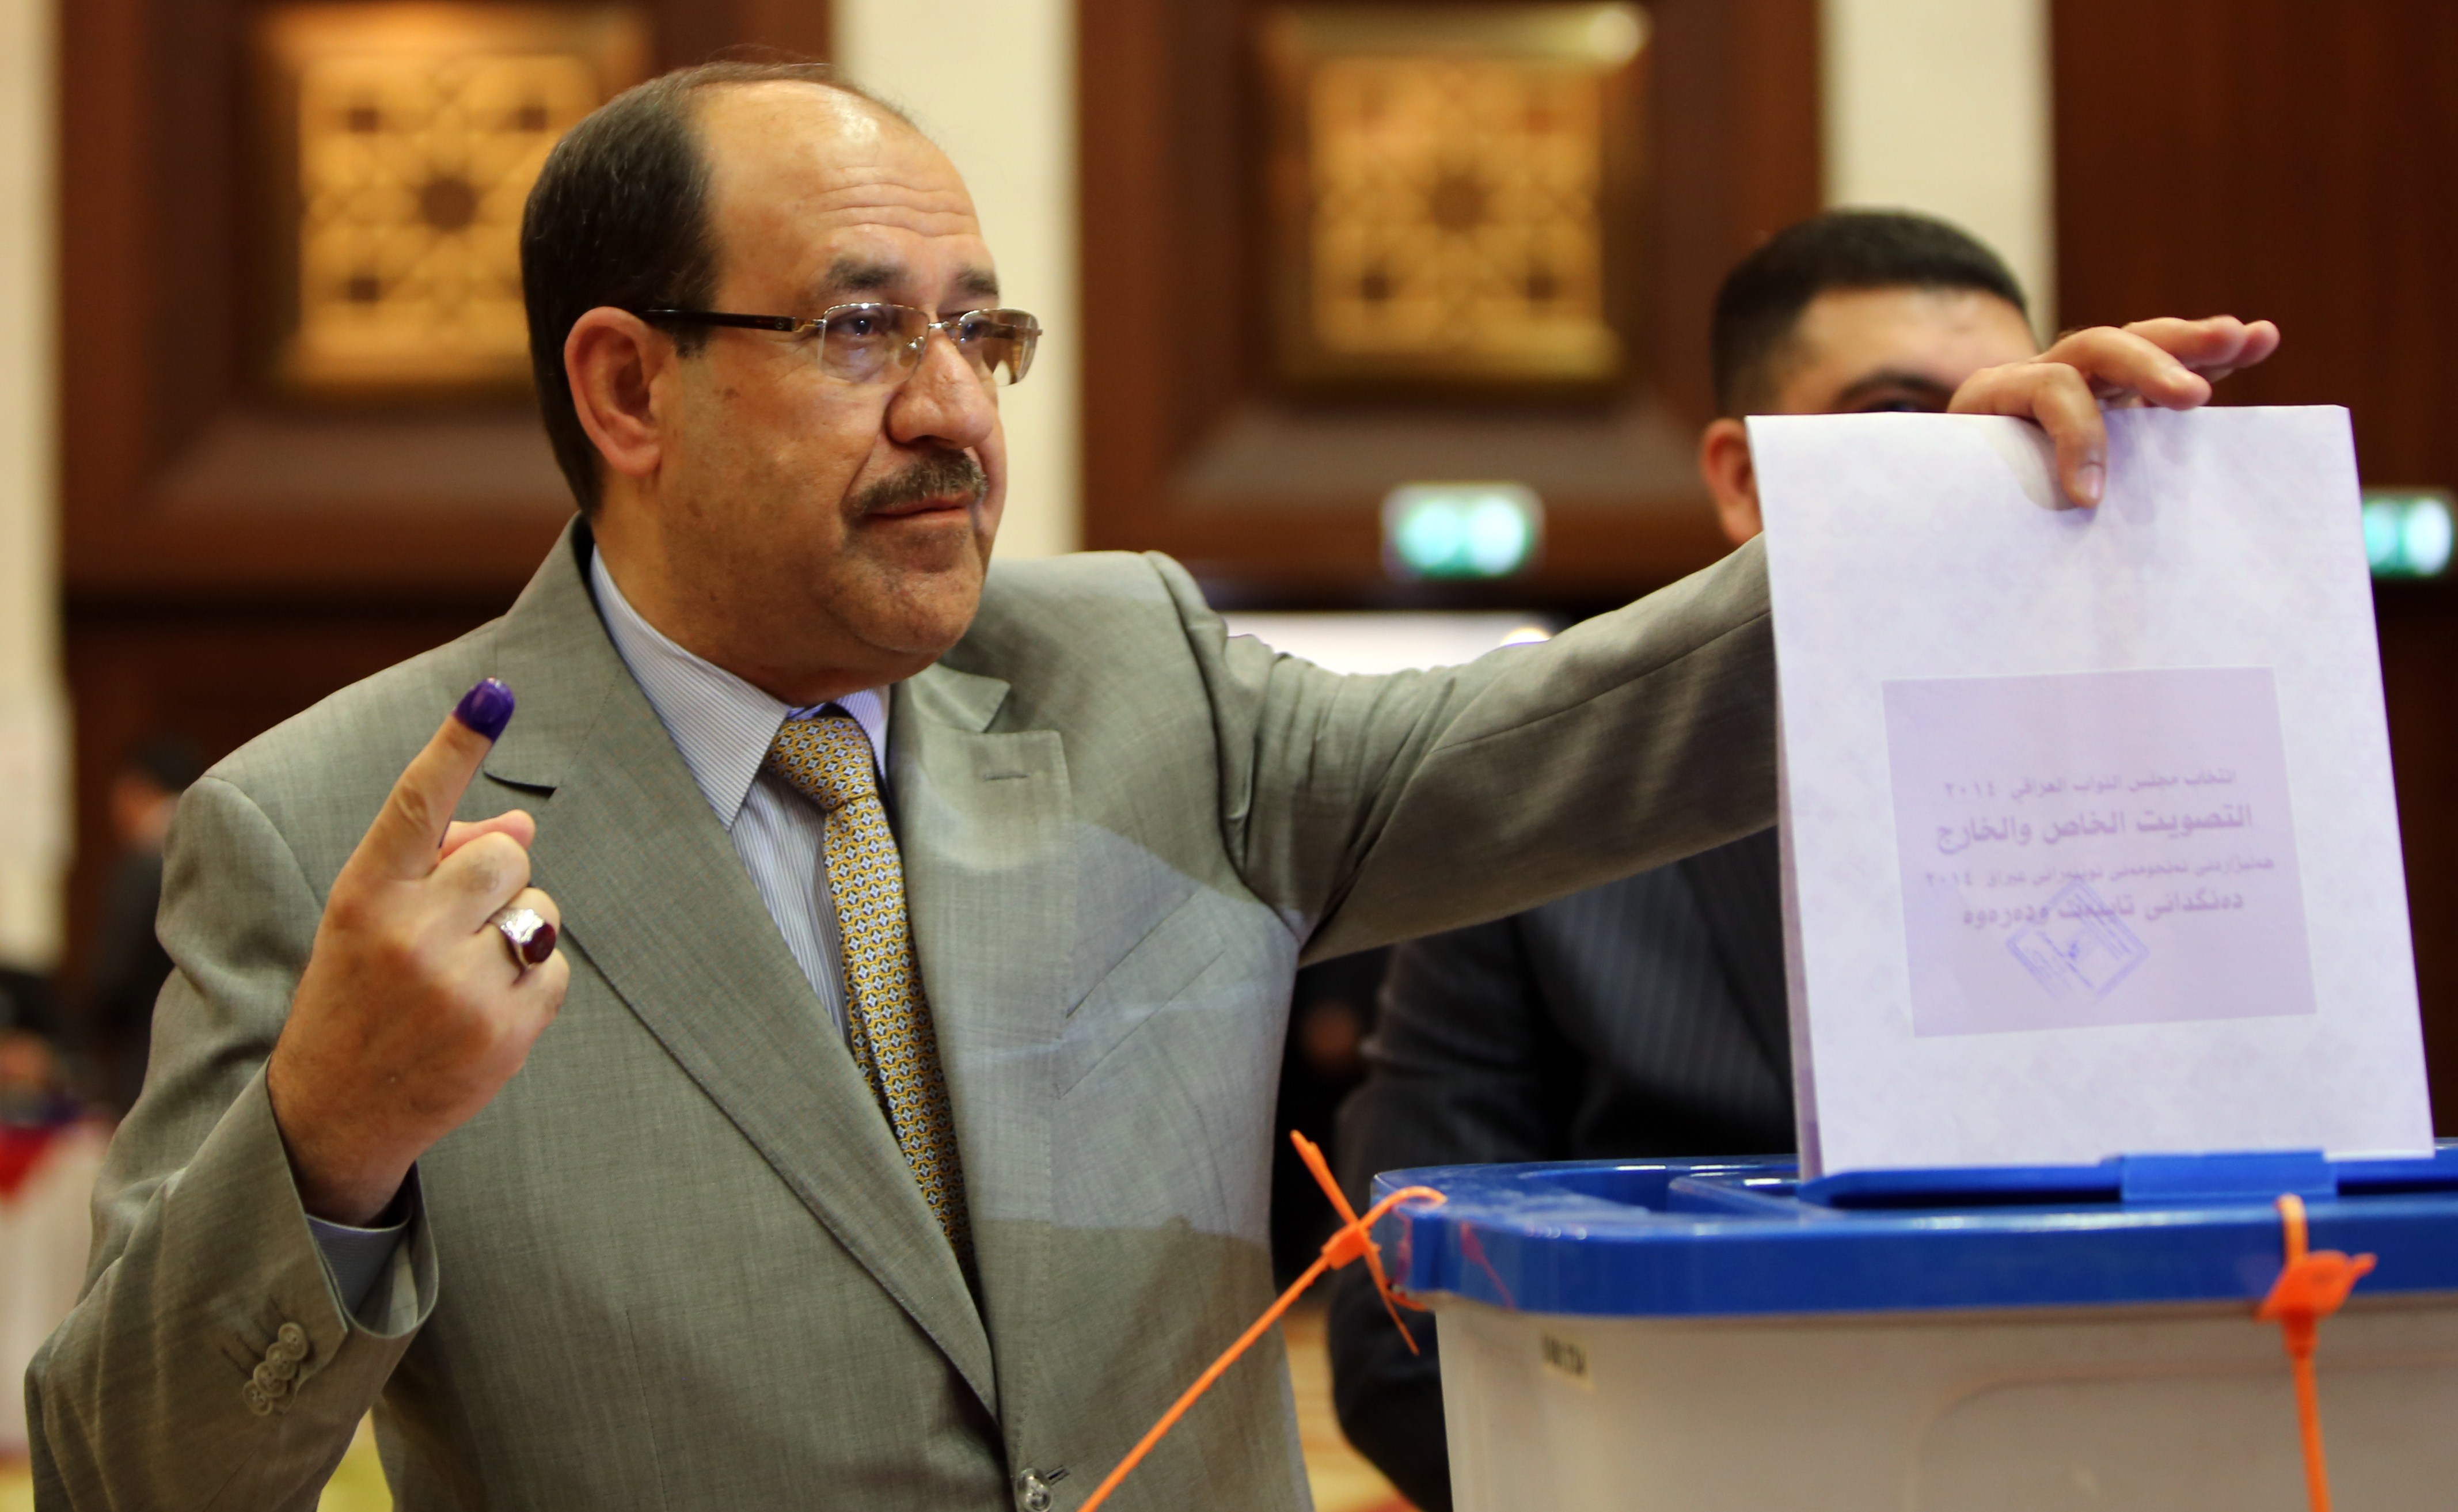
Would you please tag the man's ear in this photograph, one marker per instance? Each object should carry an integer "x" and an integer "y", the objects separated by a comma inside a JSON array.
[
  {"x": 613, "y": 360},
  {"x": 1725, "y": 463}
]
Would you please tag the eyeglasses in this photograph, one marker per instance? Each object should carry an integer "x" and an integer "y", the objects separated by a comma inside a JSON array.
[{"x": 883, "y": 343}]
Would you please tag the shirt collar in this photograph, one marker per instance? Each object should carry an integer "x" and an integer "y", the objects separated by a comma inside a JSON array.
[{"x": 722, "y": 725}]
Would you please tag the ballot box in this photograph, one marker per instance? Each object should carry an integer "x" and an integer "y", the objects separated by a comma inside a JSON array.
[{"x": 1720, "y": 1336}]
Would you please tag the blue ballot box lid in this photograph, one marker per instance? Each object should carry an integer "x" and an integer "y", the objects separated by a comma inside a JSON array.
[{"x": 1677, "y": 1238}]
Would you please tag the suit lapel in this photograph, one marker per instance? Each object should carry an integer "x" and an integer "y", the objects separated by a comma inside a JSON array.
[
  {"x": 983, "y": 825},
  {"x": 654, "y": 898}
]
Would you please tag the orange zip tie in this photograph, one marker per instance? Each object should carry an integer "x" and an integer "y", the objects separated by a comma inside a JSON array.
[
  {"x": 1353, "y": 1242},
  {"x": 2310, "y": 1288},
  {"x": 1350, "y": 1224}
]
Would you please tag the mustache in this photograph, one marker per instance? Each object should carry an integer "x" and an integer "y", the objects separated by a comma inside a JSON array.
[{"x": 936, "y": 476}]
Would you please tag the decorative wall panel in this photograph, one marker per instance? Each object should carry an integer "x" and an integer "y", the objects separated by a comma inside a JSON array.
[
  {"x": 234, "y": 548},
  {"x": 1446, "y": 196},
  {"x": 404, "y": 141},
  {"x": 1331, "y": 251}
]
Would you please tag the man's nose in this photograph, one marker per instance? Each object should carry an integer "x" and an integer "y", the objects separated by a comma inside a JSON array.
[{"x": 943, "y": 401}]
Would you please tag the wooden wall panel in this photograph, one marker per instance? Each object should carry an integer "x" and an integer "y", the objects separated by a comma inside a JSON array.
[
  {"x": 1187, "y": 449},
  {"x": 2266, "y": 157},
  {"x": 179, "y": 473},
  {"x": 230, "y": 559}
]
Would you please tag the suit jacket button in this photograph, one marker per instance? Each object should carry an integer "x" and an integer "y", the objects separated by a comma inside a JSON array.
[
  {"x": 257, "y": 1401},
  {"x": 293, "y": 1338},
  {"x": 1032, "y": 1492},
  {"x": 276, "y": 1367}
]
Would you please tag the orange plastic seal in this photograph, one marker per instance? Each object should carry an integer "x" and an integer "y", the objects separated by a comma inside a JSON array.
[
  {"x": 1355, "y": 1241},
  {"x": 2312, "y": 1286},
  {"x": 1351, "y": 1243}
]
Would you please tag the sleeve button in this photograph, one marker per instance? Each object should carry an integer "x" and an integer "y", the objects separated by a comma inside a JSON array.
[
  {"x": 291, "y": 1337},
  {"x": 257, "y": 1401}
]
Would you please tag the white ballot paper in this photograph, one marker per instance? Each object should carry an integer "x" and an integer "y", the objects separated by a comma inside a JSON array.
[{"x": 2089, "y": 840}]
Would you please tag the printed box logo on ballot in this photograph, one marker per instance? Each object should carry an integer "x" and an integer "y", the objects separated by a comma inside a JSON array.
[{"x": 2100, "y": 847}]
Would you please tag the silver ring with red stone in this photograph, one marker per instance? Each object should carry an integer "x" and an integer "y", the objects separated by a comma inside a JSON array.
[{"x": 527, "y": 935}]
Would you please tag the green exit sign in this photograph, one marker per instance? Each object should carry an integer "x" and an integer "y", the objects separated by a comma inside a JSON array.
[
  {"x": 1461, "y": 529},
  {"x": 2408, "y": 531}
]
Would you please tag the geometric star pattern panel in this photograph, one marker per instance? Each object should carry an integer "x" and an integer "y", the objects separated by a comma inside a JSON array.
[
  {"x": 416, "y": 146},
  {"x": 1455, "y": 210},
  {"x": 412, "y": 174},
  {"x": 1441, "y": 189}
]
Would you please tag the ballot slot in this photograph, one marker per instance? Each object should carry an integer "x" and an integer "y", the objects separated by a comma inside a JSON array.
[{"x": 1631, "y": 1183}]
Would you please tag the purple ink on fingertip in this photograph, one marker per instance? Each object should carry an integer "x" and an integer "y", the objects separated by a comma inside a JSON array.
[{"x": 485, "y": 708}]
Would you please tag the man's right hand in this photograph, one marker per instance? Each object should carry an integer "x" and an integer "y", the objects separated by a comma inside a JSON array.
[
  {"x": 412, "y": 1013},
  {"x": 2169, "y": 362}
]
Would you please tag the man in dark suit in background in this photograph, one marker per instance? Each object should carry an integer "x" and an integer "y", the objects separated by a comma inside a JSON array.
[
  {"x": 1646, "y": 1017},
  {"x": 130, "y": 963}
]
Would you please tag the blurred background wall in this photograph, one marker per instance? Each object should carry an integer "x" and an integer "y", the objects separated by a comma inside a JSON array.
[
  {"x": 1003, "y": 105},
  {"x": 33, "y": 733},
  {"x": 198, "y": 540},
  {"x": 1944, "y": 106}
]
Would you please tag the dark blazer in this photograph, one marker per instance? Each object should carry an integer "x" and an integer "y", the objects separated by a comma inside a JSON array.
[
  {"x": 1645, "y": 1016},
  {"x": 130, "y": 968}
]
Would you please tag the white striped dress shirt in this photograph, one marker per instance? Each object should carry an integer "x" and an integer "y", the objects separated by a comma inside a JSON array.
[{"x": 723, "y": 726}]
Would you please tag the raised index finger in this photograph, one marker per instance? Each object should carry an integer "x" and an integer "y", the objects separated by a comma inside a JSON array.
[{"x": 401, "y": 843}]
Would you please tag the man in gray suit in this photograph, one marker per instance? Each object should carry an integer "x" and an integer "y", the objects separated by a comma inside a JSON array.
[
  {"x": 1647, "y": 1017},
  {"x": 925, "y": 931}
]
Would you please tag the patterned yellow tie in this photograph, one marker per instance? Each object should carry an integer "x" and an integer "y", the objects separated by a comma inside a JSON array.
[{"x": 828, "y": 758}]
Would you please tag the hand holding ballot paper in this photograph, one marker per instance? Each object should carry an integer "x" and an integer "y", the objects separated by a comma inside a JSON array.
[
  {"x": 2166, "y": 361},
  {"x": 2090, "y": 841}
]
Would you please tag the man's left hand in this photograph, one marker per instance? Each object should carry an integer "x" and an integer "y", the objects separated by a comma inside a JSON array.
[{"x": 2168, "y": 362}]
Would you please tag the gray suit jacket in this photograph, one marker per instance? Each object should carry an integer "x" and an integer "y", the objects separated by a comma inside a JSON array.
[
  {"x": 678, "y": 1261},
  {"x": 1642, "y": 1018}
]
